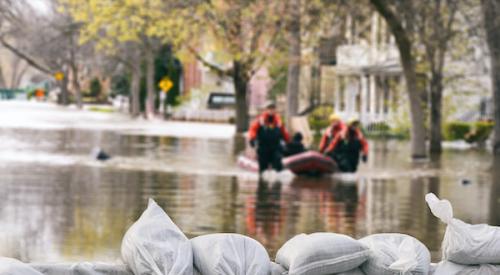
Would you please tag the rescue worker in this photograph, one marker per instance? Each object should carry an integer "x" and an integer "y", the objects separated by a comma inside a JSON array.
[
  {"x": 295, "y": 146},
  {"x": 336, "y": 127},
  {"x": 347, "y": 147},
  {"x": 267, "y": 133}
]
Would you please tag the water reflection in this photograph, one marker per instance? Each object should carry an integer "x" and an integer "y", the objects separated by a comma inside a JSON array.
[{"x": 78, "y": 209}]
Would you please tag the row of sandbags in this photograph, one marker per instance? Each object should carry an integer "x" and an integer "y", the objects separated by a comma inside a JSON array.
[{"x": 155, "y": 245}]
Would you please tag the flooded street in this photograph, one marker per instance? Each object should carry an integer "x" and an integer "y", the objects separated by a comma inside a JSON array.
[{"x": 58, "y": 204}]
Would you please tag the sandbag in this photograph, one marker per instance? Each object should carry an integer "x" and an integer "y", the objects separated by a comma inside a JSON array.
[
  {"x": 83, "y": 268},
  {"x": 394, "y": 253},
  {"x": 450, "y": 268},
  {"x": 356, "y": 271},
  {"x": 155, "y": 245},
  {"x": 277, "y": 269},
  {"x": 9, "y": 266},
  {"x": 321, "y": 253},
  {"x": 229, "y": 254},
  {"x": 464, "y": 243}
]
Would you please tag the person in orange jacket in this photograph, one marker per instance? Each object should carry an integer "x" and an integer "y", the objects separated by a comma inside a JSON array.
[
  {"x": 346, "y": 148},
  {"x": 267, "y": 133},
  {"x": 336, "y": 127}
]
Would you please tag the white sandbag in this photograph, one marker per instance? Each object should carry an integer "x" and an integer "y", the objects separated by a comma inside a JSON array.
[
  {"x": 432, "y": 268},
  {"x": 450, "y": 268},
  {"x": 9, "y": 266},
  {"x": 83, "y": 268},
  {"x": 277, "y": 269},
  {"x": 155, "y": 245},
  {"x": 394, "y": 253},
  {"x": 321, "y": 253},
  {"x": 465, "y": 243},
  {"x": 229, "y": 254},
  {"x": 356, "y": 271}
]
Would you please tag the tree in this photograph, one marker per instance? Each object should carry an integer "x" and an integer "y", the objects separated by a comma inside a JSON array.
[
  {"x": 247, "y": 32},
  {"x": 402, "y": 34},
  {"x": 491, "y": 12},
  {"x": 435, "y": 20},
  {"x": 294, "y": 59},
  {"x": 47, "y": 42},
  {"x": 112, "y": 24}
]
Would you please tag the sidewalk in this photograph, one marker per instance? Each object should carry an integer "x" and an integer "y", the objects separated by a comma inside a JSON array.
[{"x": 47, "y": 116}]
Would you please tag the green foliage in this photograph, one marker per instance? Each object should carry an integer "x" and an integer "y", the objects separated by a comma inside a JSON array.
[
  {"x": 95, "y": 87},
  {"x": 101, "y": 109},
  {"x": 120, "y": 84},
  {"x": 168, "y": 65},
  {"x": 456, "y": 130},
  {"x": 481, "y": 131},
  {"x": 278, "y": 74},
  {"x": 318, "y": 119},
  {"x": 383, "y": 130},
  {"x": 469, "y": 131}
]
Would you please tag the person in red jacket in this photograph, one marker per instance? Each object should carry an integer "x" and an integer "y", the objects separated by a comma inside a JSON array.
[
  {"x": 347, "y": 146},
  {"x": 267, "y": 133},
  {"x": 336, "y": 127}
]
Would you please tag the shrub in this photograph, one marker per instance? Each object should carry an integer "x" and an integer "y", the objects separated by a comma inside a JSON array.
[
  {"x": 456, "y": 130},
  {"x": 318, "y": 118},
  {"x": 480, "y": 132},
  {"x": 95, "y": 88}
]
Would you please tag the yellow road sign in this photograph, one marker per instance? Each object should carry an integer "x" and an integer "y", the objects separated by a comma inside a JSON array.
[
  {"x": 59, "y": 76},
  {"x": 166, "y": 84}
]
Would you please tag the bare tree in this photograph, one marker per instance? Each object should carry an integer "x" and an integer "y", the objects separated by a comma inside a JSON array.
[
  {"x": 47, "y": 42},
  {"x": 402, "y": 33},
  {"x": 294, "y": 59},
  {"x": 491, "y": 11},
  {"x": 435, "y": 27}
]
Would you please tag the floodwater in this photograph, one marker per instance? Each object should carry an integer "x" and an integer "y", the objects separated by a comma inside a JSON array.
[{"x": 57, "y": 204}]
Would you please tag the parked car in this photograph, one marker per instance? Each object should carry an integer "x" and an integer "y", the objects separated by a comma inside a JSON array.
[{"x": 221, "y": 100}]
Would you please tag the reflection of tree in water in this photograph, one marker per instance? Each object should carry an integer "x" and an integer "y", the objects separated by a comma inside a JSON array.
[
  {"x": 265, "y": 221},
  {"x": 348, "y": 195},
  {"x": 326, "y": 205}
]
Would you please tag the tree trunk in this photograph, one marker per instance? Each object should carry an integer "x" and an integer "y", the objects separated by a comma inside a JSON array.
[
  {"x": 135, "y": 90},
  {"x": 418, "y": 147},
  {"x": 2, "y": 79},
  {"x": 150, "y": 84},
  {"x": 76, "y": 86},
  {"x": 491, "y": 11},
  {"x": 63, "y": 86},
  {"x": 294, "y": 57},
  {"x": 240, "y": 80},
  {"x": 436, "y": 103}
]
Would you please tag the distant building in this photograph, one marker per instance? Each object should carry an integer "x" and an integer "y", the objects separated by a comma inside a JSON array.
[{"x": 365, "y": 79}]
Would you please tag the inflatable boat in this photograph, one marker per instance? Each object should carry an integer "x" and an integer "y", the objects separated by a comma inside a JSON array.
[{"x": 307, "y": 163}]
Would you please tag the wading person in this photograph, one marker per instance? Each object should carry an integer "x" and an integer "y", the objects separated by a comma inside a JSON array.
[
  {"x": 347, "y": 147},
  {"x": 295, "y": 146},
  {"x": 336, "y": 127},
  {"x": 266, "y": 134}
]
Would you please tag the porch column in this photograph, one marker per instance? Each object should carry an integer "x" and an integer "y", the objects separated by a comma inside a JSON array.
[
  {"x": 364, "y": 98},
  {"x": 336, "y": 104},
  {"x": 373, "y": 97}
]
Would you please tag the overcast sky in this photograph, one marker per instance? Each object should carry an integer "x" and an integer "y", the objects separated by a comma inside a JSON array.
[{"x": 39, "y": 5}]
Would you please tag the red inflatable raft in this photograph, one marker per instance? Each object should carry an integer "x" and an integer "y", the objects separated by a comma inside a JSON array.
[{"x": 309, "y": 163}]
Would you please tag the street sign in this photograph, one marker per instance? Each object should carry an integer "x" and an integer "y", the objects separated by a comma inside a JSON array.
[
  {"x": 59, "y": 76},
  {"x": 166, "y": 84}
]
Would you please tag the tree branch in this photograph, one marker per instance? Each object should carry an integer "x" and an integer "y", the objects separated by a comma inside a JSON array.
[
  {"x": 211, "y": 66},
  {"x": 25, "y": 57}
]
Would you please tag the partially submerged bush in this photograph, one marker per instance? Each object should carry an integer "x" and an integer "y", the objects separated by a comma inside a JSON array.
[
  {"x": 469, "y": 131},
  {"x": 481, "y": 132},
  {"x": 318, "y": 118},
  {"x": 456, "y": 130}
]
